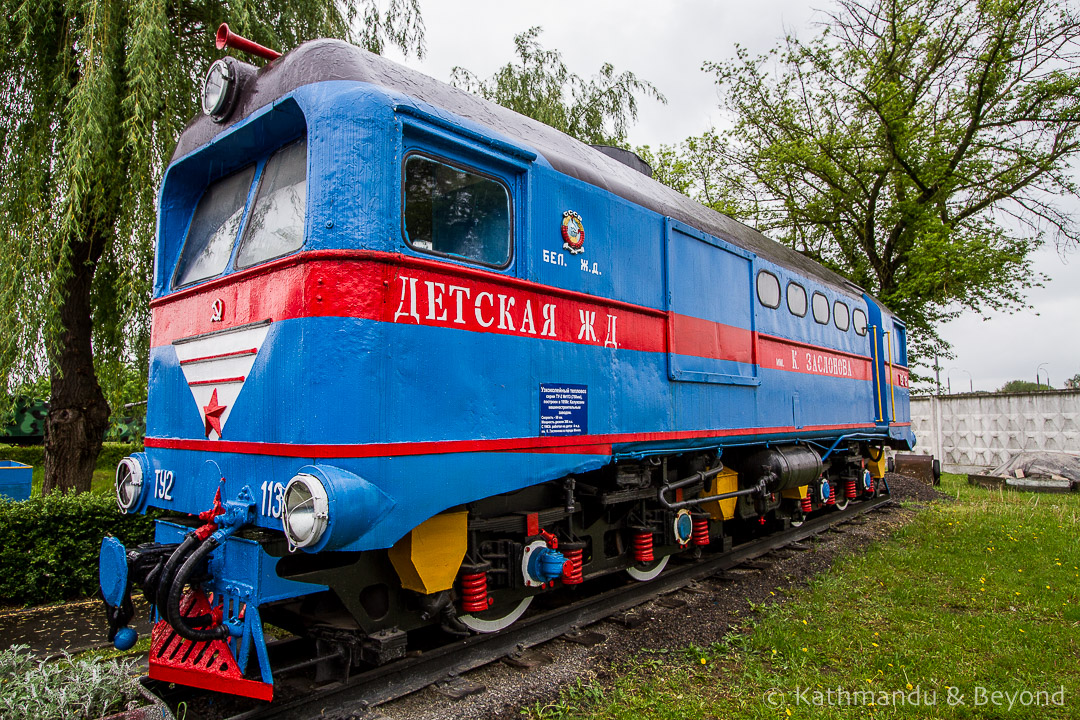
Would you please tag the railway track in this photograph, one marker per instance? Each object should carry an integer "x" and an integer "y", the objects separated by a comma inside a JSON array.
[{"x": 374, "y": 687}]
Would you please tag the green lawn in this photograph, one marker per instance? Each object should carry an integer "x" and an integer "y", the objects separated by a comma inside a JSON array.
[{"x": 973, "y": 598}]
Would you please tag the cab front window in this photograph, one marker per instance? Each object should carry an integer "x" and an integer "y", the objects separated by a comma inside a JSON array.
[
  {"x": 276, "y": 225},
  {"x": 213, "y": 228}
]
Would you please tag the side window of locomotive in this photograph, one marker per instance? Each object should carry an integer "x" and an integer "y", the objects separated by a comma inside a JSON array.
[
  {"x": 768, "y": 289},
  {"x": 796, "y": 299},
  {"x": 841, "y": 316},
  {"x": 276, "y": 225},
  {"x": 858, "y": 319},
  {"x": 901, "y": 345},
  {"x": 213, "y": 228},
  {"x": 455, "y": 212},
  {"x": 821, "y": 308}
]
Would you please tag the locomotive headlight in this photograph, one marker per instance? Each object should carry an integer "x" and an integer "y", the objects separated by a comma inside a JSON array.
[
  {"x": 129, "y": 481},
  {"x": 330, "y": 508},
  {"x": 306, "y": 512},
  {"x": 219, "y": 89}
]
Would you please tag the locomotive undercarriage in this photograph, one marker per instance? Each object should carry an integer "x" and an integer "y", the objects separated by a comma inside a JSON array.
[
  {"x": 630, "y": 517},
  {"x": 530, "y": 547}
]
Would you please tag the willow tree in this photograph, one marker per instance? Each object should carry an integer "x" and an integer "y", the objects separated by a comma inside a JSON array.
[
  {"x": 922, "y": 148},
  {"x": 93, "y": 95}
]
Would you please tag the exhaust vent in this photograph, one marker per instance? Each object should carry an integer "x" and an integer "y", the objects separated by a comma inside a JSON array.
[{"x": 626, "y": 157}]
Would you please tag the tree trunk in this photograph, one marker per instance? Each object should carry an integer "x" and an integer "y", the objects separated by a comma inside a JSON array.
[{"x": 78, "y": 413}]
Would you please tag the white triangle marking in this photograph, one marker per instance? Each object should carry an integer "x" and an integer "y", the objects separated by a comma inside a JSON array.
[{"x": 220, "y": 362}]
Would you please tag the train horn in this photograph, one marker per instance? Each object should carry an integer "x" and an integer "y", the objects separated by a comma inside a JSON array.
[{"x": 228, "y": 39}]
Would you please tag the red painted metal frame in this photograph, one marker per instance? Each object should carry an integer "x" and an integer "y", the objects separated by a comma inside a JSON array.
[{"x": 207, "y": 665}]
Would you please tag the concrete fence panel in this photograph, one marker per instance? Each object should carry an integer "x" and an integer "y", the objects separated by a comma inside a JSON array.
[{"x": 974, "y": 432}]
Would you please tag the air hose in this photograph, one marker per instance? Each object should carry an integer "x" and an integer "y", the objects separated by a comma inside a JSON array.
[
  {"x": 176, "y": 590},
  {"x": 171, "y": 566}
]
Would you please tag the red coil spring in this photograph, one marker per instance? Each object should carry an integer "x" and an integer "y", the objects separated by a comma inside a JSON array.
[
  {"x": 832, "y": 496},
  {"x": 643, "y": 546},
  {"x": 850, "y": 489},
  {"x": 807, "y": 505},
  {"x": 700, "y": 535},
  {"x": 474, "y": 592},
  {"x": 573, "y": 558},
  {"x": 870, "y": 490}
]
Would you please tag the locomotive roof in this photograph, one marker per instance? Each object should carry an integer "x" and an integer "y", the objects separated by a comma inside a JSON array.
[{"x": 328, "y": 60}]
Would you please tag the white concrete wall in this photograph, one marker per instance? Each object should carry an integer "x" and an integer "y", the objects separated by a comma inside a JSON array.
[{"x": 973, "y": 432}]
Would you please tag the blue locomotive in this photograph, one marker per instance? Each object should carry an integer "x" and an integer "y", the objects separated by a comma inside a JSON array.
[{"x": 417, "y": 359}]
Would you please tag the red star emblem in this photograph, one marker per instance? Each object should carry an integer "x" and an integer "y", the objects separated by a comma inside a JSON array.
[{"x": 212, "y": 413}]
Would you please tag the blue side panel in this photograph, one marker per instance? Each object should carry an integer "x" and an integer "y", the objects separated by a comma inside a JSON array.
[
  {"x": 708, "y": 278},
  {"x": 621, "y": 258}
]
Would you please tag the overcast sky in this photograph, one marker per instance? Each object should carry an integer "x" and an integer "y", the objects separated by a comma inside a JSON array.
[{"x": 666, "y": 43}]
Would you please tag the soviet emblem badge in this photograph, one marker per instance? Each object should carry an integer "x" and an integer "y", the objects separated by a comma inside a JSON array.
[{"x": 573, "y": 232}]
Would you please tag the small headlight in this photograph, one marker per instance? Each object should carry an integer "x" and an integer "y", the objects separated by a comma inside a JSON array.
[
  {"x": 307, "y": 511},
  {"x": 129, "y": 480},
  {"x": 218, "y": 89}
]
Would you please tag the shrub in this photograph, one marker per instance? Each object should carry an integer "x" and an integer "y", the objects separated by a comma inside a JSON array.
[
  {"x": 49, "y": 545},
  {"x": 111, "y": 454},
  {"x": 32, "y": 689},
  {"x": 26, "y": 454}
]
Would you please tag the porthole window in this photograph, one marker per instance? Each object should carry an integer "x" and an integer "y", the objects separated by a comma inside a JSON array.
[
  {"x": 858, "y": 319},
  {"x": 796, "y": 299},
  {"x": 456, "y": 212},
  {"x": 821, "y": 308},
  {"x": 768, "y": 289},
  {"x": 841, "y": 316}
]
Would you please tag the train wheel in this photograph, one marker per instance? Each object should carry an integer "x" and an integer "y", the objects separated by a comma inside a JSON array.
[
  {"x": 650, "y": 571},
  {"x": 491, "y": 620}
]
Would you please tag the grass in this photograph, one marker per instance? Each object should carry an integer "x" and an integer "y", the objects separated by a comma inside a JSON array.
[{"x": 974, "y": 597}]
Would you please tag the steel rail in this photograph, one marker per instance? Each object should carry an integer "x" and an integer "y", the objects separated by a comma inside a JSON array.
[{"x": 401, "y": 677}]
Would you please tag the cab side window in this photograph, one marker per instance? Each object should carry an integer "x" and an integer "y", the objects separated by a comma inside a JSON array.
[{"x": 453, "y": 211}]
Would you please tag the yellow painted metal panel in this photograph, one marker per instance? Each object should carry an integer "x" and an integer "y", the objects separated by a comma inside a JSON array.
[
  {"x": 725, "y": 481},
  {"x": 878, "y": 467},
  {"x": 428, "y": 558},
  {"x": 796, "y": 493}
]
